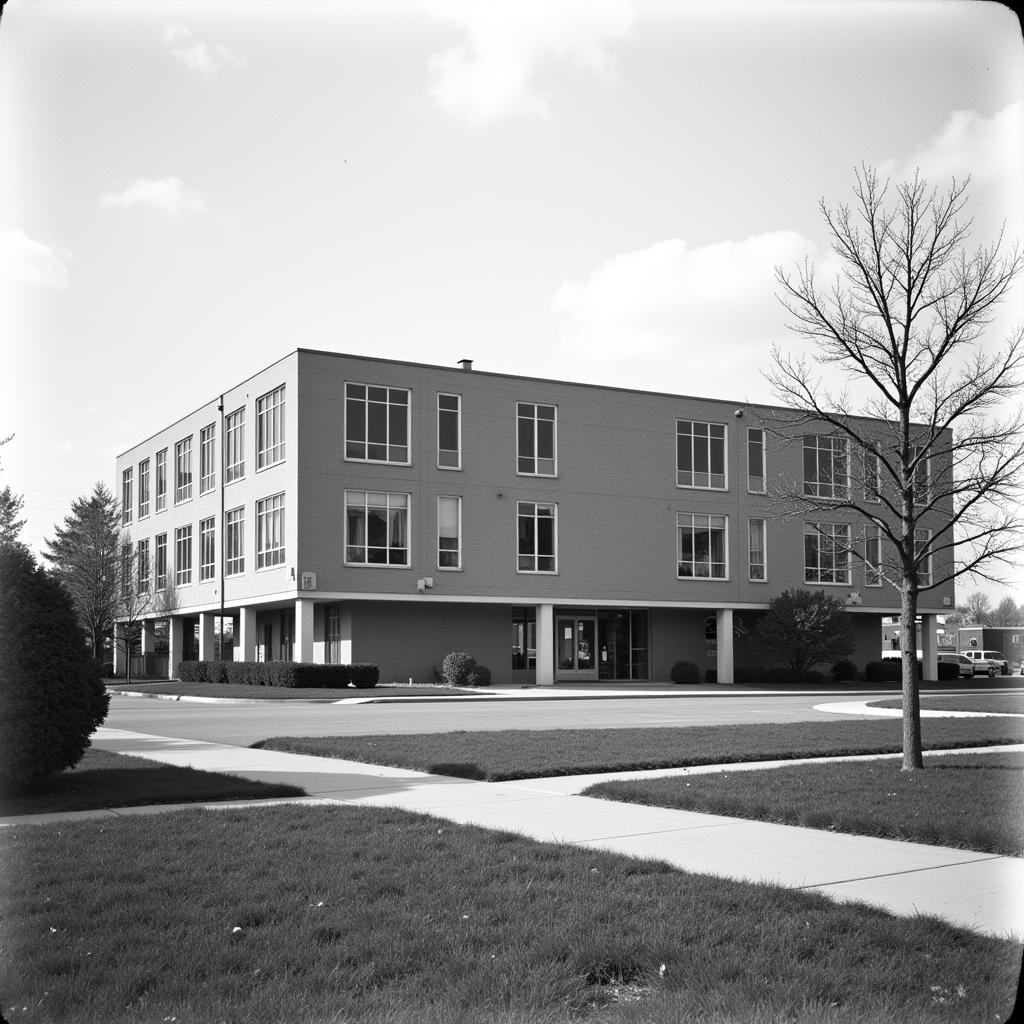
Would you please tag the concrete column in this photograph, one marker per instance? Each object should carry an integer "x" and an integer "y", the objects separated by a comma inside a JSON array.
[
  {"x": 246, "y": 634},
  {"x": 928, "y": 640},
  {"x": 207, "y": 639},
  {"x": 119, "y": 658},
  {"x": 175, "y": 643},
  {"x": 302, "y": 642},
  {"x": 146, "y": 637},
  {"x": 545, "y": 645},
  {"x": 723, "y": 625}
]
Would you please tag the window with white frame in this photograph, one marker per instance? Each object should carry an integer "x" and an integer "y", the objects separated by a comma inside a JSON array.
[
  {"x": 270, "y": 428},
  {"x": 376, "y": 424},
  {"x": 182, "y": 555},
  {"x": 376, "y": 528},
  {"x": 142, "y": 565},
  {"x": 537, "y": 536},
  {"x": 922, "y": 476},
  {"x": 144, "y": 488},
  {"x": 827, "y": 553},
  {"x": 872, "y": 466},
  {"x": 758, "y": 565},
  {"x": 234, "y": 445},
  {"x": 183, "y": 470},
  {"x": 161, "y": 480},
  {"x": 449, "y": 431},
  {"x": 234, "y": 541},
  {"x": 700, "y": 455},
  {"x": 872, "y": 555},
  {"x": 207, "y": 549},
  {"x": 922, "y": 542},
  {"x": 826, "y": 467},
  {"x": 702, "y": 548},
  {"x": 160, "y": 561},
  {"x": 449, "y": 533},
  {"x": 270, "y": 531},
  {"x": 207, "y": 458},
  {"x": 536, "y": 439},
  {"x": 126, "y": 496},
  {"x": 126, "y": 569},
  {"x": 756, "y": 471}
]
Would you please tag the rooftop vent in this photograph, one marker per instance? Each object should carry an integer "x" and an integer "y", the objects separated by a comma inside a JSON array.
[{"x": 466, "y": 364}]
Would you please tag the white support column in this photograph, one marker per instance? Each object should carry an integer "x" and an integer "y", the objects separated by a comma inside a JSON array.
[
  {"x": 119, "y": 660},
  {"x": 302, "y": 646},
  {"x": 545, "y": 645},
  {"x": 928, "y": 640},
  {"x": 246, "y": 634},
  {"x": 723, "y": 625},
  {"x": 175, "y": 643},
  {"x": 207, "y": 640}
]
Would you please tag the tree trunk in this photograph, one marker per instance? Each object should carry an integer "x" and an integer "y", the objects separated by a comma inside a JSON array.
[{"x": 912, "y": 757}]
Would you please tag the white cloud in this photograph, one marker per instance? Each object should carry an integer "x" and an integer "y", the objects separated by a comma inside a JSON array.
[
  {"x": 197, "y": 55},
  {"x": 490, "y": 75},
  {"x": 27, "y": 261},
  {"x": 168, "y": 195}
]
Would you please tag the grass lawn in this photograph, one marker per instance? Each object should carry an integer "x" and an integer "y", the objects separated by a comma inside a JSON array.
[
  {"x": 362, "y": 915},
  {"x": 236, "y": 691},
  {"x": 1003, "y": 703},
  {"x": 970, "y": 801},
  {"x": 515, "y": 754},
  {"x": 102, "y": 779}
]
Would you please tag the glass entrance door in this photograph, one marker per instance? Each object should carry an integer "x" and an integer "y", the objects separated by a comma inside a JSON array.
[{"x": 575, "y": 647}]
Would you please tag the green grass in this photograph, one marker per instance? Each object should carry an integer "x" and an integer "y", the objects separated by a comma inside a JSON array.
[
  {"x": 102, "y": 779},
  {"x": 237, "y": 691},
  {"x": 971, "y": 801},
  {"x": 524, "y": 754},
  {"x": 1002, "y": 703},
  {"x": 369, "y": 916}
]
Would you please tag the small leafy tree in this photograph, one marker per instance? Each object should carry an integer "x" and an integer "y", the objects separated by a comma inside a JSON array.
[{"x": 803, "y": 628}]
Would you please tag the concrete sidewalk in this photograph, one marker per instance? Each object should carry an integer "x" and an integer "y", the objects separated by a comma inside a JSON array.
[{"x": 979, "y": 891}]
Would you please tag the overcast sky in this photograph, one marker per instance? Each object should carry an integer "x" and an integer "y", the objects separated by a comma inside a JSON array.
[{"x": 591, "y": 190}]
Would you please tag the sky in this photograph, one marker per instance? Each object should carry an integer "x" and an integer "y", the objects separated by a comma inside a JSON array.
[{"x": 590, "y": 190}]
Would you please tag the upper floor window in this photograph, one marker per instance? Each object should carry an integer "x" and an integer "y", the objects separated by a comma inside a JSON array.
[
  {"x": 160, "y": 561},
  {"x": 827, "y": 553},
  {"x": 702, "y": 548},
  {"x": 183, "y": 470},
  {"x": 922, "y": 476},
  {"x": 142, "y": 561},
  {"x": 270, "y": 428},
  {"x": 449, "y": 431},
  {"x": 161, "y": 480},
  {"x": 872, "y": 556},
  {"x": 755, "y": 460},
  {"x": 207, "y": 549},
  {"x": 144, "y": 488},
  {"x": 376, "y": 528},
  {"x": 270, "y": 531},
  {"x": 234, "y": 445},
  {"x": 757, "y": 565},
  {"x": 700, "y": 455},
  {"x": 126, "y": 495},
  {"x": 537, "y": 536},
  {"x": 207, "y": 459},
  {"x": 234, "y": 541},
  {"x": 449, "y": 533},
  {"x": 183, "y": 555},
  {"x": 826, "y": 467},
  {"x": 536, "y": 443},
  {"x": 872, "y": 476},
  {"x": 922, "y": 541},
  {"x": 376, "y": 423}
]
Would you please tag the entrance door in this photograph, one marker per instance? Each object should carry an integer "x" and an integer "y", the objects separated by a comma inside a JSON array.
[{"x": 575, "y": 650}]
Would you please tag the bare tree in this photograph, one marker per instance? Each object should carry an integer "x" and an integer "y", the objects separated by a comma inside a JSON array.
[
  {"x": 135, "y": 599},
  {"x": 903, "y": 320},
  {"x": 977, "y": 608},
  {"x": 1006, "y": 614}
]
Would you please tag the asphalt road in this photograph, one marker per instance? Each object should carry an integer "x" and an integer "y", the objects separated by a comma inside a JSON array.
[{"x": 244, "y": 724}]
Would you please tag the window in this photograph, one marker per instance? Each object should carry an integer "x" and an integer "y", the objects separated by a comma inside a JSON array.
[
  {"x": 827, "y": 553},
  {"x": 922, "y": 541},
  {"x": 183, "y": 470},
  {"x": 126, "y": 496},
  {"x": 234, "y": 445},
  {"x": 536, "y": 443},
  {"x": 922, "y": 476},
  {"x": 161, "y": 561},
  {"x": 376, "y": 424},
  {"x": 700, "y": 455},
  {"x": 207, "y": 549},
  {"x": 270, "y": 531},
  {"x": 537, "y": 536},
  {"x": 449, "y": 432},
  {"x": 872, "y": 476},
  {"x": 207, "y": 459},
  {"x": 270, "y": 428},
  {"x": 144, "y": 488},
  {"x": 142, "y": 560},
  {"x": 755, "y": 460},
  {"x": 702, "y": 546},
  {"x": 524, "y": 638},
  {"x": 182, "y": 555},
  {"x": 826, "y": 467},
  {"x": 234, "y": 541},
  {"x": 126, "y": 569},
  {"x": 755, "y": 542},
  {"x": 161, "y": 480},
  {"x": 872, "y": 556},
  {"x": 376, "y": 528},
  {"x": 449, "y": 533}
]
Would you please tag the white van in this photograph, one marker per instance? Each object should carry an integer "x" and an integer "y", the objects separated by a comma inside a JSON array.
[{"x": 985, "y": 659}]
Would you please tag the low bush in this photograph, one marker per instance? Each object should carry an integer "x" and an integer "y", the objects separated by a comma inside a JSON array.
[
  {"x": 478, "y": 675},
  {"x": 362, "y": 676},
  {"x": 287, "y": 674},
  {"x": 948, "y": 670},
  {"x": 456, "y": 666},
  {"x": 812, "y": 677},
  {"x": 685, "y": 672},
  {"x": 194, "y": 672},
  {"x": 711, "y": 676},
  {"x": 887, "y": 670},
  {"x": 750, "y": 675},
  {"x": 779, "y": 675},
  {"x": 844, "y": 671}
]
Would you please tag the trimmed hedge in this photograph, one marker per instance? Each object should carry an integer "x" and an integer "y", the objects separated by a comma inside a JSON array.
[
  {"x": 889, "y": 670},
  {"x": 844, "y": 671},
  {"x": 456, "y": 666},
  {"x": 288, "y": 674},
  {"x": 685, "y": 672},
  {"x": 750, "y": 675}
]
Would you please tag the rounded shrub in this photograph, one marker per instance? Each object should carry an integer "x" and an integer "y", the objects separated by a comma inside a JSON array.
[
  {"x": 456, "y": 666},
  {"x": 844, "y": 671},
  {"x": 478, "y": 675},
  {"x": 750, "y": 675},
  {"x": 51, "y": 695},
  {"x": 685, "y": 672}
]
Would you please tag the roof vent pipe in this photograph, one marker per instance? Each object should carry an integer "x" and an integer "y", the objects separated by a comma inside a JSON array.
[{"x": 466, "y": 364}]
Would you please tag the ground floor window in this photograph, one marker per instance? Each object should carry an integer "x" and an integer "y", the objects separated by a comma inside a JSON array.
[
  {"x": 332, "y": 635},
  {"x": 524, "y": 638}
]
